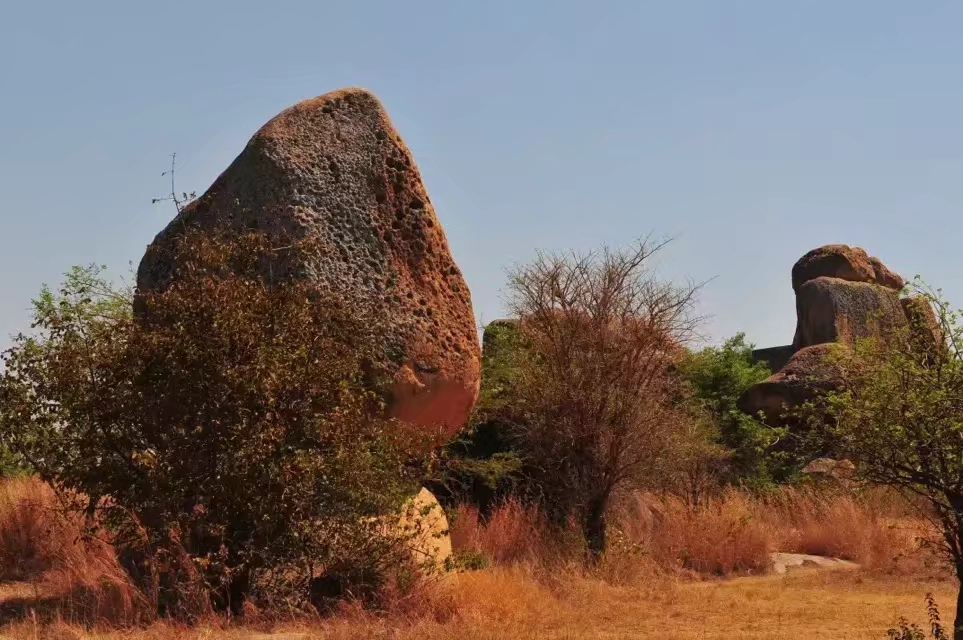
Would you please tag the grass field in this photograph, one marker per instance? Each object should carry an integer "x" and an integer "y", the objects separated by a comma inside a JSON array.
[
  {"x": 676, "y": 571},
  {"x": 512, "y": 603}
]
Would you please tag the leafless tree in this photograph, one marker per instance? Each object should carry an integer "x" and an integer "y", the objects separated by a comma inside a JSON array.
[{"x": 599, "y": 395}]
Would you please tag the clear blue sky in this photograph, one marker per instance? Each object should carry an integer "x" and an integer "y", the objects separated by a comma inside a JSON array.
[{"x": 751, "y": 131}]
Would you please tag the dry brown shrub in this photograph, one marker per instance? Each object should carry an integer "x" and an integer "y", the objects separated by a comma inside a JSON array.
[
  {"x": 514, "y": 533},
  {"x": 719, "y": 536},
  {"x": 32, "y": 535}
]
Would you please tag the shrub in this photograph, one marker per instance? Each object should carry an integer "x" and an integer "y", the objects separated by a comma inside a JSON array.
[
  {"x": 899, "y": 417},
  {"x": 228, "y": 436},
  {"x": 906, "y": 630},
  {"x": 718, "y": 376},
  {"x": 720, "y": 536}
]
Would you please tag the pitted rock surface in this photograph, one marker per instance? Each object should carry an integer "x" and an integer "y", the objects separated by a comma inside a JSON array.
[{"x": 335, "y": 170}]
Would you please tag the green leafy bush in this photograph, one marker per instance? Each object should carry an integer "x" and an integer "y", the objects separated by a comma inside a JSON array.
[
  {"x": 718, "y": 376},
  {"x": 898, "y": 417},
  {"x": 227, "y": 436}
]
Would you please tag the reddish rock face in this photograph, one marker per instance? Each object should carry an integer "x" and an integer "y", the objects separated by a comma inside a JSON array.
[
  {"x": 845, "y": 263},
  {"x": 809, "y": 370},
  {"x": 333, "y": 169}
]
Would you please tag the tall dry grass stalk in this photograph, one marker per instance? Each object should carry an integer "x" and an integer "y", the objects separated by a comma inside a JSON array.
[
  {"x": 515, "y": 533},
  {"x": 717, "y": 537},
  {"x": 73, "y": 578}
]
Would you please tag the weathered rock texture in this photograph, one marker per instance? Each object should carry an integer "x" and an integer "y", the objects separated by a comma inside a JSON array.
[
  {"x": 834, "y": 310},
  {"x": 333, "y": 169},
  {"x": 844, "y": 263},
  {"x": 830, "y": 471},
  {"x": 842, "y": 295},
  {"x": 810, "y": 370}
]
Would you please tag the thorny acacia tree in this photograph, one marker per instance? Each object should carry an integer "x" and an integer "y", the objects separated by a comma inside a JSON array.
[
  {"x": 593, "y": 385},
  {"x": 900, "y": 418},
  {"x": 229, "y": 429}
]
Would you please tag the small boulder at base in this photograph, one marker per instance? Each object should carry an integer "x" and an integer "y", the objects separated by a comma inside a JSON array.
[
  {"x": 334, "y": 170},
  {"x": 424, "y": 524}
]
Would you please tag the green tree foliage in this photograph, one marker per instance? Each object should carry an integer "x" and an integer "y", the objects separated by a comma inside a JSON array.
[
  {"x": 87, "y": 297},
  {"x": 899, "y": 418},
  {"x": 718, "y": 377},
  {"x": 228, "y": 429},
  {"x": 482, "y": 466}
]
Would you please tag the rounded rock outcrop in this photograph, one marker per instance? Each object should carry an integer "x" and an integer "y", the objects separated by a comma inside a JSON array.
[
  {"x": 843, "y": 296},
  {"x": 333, "y": 170},
  {"x": 837, "y": 310},
  {"x": 845, "y": 263}
]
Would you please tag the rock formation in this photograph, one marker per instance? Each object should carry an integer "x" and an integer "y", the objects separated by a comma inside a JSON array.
[
  {"x": 834, "y": 310},
  {"x": 843, "y": 262},
  {"x": 842, "y": 295},
  {"x": 831, "y": 471},
  {"x": 809, "y": 371},
  {"x": 334, "y": 170}
]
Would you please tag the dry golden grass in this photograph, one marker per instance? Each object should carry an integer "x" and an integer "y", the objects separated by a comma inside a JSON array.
[
  {"x": 875, "y": 529},
  {"x": 514, "y": 604},
  {"x": 56, "y": 572},
  {"x": 661, "y": 579},
  {"x": 730, "y": 534},
  {"x": 719, "y": 537}
]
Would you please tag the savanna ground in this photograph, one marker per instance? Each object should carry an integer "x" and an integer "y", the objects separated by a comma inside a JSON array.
[{"x": 674, "y": 570}]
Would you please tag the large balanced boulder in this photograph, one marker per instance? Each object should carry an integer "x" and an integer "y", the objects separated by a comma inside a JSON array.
[{"x": 334, "y": 170}]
